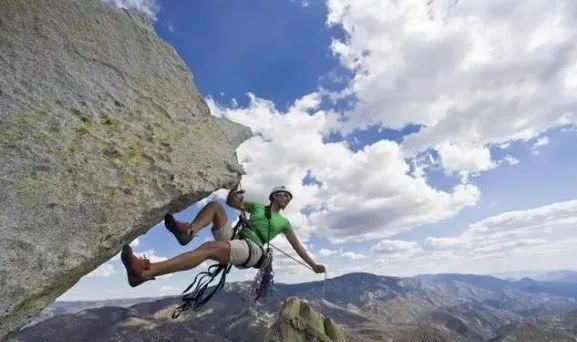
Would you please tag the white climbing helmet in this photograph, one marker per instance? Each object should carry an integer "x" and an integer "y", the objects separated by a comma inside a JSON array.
[{"x": 280, "y": 188}]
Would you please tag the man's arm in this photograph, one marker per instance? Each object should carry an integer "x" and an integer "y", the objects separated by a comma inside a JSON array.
[
  {"x": 298, "y": 247},
  {"x": 232, "y": 199}
]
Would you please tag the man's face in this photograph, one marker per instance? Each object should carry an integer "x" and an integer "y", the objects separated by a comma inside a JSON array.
[{"x": 282, "y": 198}]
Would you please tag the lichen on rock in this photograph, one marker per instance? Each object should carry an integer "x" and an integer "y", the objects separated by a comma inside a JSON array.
[
  {"x": 102, "y": 131},
  {"x": 298, "y": 321}
]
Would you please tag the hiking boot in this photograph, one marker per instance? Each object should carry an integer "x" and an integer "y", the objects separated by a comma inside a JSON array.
[
  {"x": 180, "y": 230},
  {"x": 134, "y": 266}
]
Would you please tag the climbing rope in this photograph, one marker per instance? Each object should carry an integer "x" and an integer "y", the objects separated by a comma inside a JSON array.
[
  {"x": 307, "y": 266},
  {"x": 197, "y": 297}
]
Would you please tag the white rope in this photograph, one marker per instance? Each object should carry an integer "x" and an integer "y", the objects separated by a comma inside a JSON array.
[{"x": 307, "y": 266}]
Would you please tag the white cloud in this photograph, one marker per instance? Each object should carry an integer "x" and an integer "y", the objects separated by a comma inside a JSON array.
[
  {"x": 465, "y": 157},
  {"x": 219, "y": 195},
  {"x": 511, "y": 160},
  {"x": 510, "y": 230},
  {"x": 393, "y": 247},
  {"x": 104, "y": 270},
  {"x": 150, "y": 255},
  {"x": 540, "y": 142},
  {"x": 362, "y": 195},
  {"x": 148, "y": 7},
  {"x": 327, "y": 252},
  {"x": 514, "y": 238},
  {"x": 472, "y": 74},
  {"x": 340, "y": 253},
  {"x": 353, "y": 255},
  {"x": 434, "y": 244}
]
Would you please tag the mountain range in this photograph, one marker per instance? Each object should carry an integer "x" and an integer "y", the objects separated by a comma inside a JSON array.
[
  {"x": 442, "y": 307},
  {"x": 568, "y": 276}
]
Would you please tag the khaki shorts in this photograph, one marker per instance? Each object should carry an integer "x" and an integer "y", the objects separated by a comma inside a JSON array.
[{"x": 240, "y": 249}]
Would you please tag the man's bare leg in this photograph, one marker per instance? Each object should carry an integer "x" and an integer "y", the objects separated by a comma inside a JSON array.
[
  {"x": 214, "y": 250},
  {"x": 213, "y": 213}
]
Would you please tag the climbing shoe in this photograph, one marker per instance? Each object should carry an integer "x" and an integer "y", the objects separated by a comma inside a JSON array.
[
  {"x": 179, "y": 229},
  {"x": 134, "y": 266}
]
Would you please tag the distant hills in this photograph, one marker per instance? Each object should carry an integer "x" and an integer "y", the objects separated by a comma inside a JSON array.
[
  {"x": 558, "y": 276},
  {"x": 443, "y": 307},
  {"x": 567, "y": 276},
  {"x": 67, "y": 307}
]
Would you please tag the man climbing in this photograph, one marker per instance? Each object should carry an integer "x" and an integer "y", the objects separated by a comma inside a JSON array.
[{"x": 266, "y": 223}]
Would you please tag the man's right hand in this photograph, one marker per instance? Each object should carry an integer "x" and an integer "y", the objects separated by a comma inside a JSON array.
[{"x": 234, "y": 198}]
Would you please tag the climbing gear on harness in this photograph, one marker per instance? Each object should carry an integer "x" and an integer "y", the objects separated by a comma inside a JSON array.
[
  {"x": 180, "y": 230},
  {"x": 134, "y": 266},
  {"x": 264, "y": 280}
]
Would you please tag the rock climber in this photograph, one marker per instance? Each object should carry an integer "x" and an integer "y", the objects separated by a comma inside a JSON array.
[{"x": 266, "y": 222}]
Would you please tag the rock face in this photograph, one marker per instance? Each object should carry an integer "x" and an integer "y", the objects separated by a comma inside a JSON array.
[
  {"x": 299, "y": 322},
  {"x": 102, "y": 132}
]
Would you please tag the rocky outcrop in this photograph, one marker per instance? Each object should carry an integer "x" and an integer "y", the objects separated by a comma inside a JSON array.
[
  {"x": 299, "y": 322},
  {"x": 102, "y": 131}
]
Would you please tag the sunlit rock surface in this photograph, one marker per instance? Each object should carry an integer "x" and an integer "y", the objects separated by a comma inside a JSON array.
[{"x": 102, "y": 131}]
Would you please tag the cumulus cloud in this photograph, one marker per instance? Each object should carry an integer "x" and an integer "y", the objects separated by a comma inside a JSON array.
[
  {"x": 511, "y": 160},
  {"x": 440, "y": 244},
  {"x": 471, "y": 74},
  {"x": 327, "y": 252},
  {"x": 540, "y": 142},
  {"x": 516, "y": 235},
  {"x": 148, "y": 7},
  {"x": 353, "y": 255},
  {"x": 515, "y": 229},
  {"x": 464, "y": 157},
  {"x": 362, "y": 195},
  {"x": 386, "y": 251},
  {"x": 392, "y": 247},
  {"x": 340, "y": 253}
]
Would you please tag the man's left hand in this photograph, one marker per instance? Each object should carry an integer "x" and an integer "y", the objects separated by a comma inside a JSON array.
[{"x": 318, "y": 268}]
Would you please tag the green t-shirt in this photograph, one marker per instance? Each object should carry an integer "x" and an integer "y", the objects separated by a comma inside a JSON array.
[{"x": 258, "y": 220}]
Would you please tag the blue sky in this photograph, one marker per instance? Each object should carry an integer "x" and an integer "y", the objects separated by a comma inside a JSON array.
[
  {"x": 278, "y": 50},
  {"x": 439, "y": 136}
]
